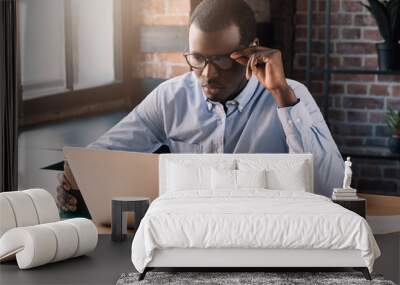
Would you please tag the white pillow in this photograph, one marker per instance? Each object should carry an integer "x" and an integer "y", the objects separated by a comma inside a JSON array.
[
  {"x": 223, "y": 179},
  {"x": 187, "y": 175},
  {"x": 251, "y": 178},
  {"x": 181, "y": 178},
  {"x": 282, "y": 175},
  {"x": 293, "y": 180},
  {"x": 236, "y": 179}
]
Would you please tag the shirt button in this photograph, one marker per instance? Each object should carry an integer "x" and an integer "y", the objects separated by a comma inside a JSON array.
[
  {"x": 298, "y": 120},
  {"x": 290, "y": 122}
]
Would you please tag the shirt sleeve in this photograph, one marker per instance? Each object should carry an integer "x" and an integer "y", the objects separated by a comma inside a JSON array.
[
  {"x": 307, "y": 132},
  {"x": 141, "y": 130}
]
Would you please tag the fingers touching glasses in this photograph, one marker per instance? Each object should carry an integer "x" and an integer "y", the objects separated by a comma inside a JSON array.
[
  {"x": 198, "y": 61},
  {"x": 223, "y": 62}
]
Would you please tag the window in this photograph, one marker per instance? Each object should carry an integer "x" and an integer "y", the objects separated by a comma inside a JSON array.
[{"x": 71, "y": 57}]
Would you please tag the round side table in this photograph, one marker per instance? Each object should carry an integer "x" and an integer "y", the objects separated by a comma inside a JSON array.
[{"x": 121, "y": 205}]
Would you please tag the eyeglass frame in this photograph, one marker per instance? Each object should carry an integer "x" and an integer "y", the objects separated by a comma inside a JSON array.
[{"x": 208, "y": 59}]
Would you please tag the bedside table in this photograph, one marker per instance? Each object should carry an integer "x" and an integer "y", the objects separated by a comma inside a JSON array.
[
  {"x": 357, "y": 206},
  {"x": 121, "y": 205}
]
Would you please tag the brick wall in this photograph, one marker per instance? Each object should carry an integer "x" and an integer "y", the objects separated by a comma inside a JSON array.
[
  {"x": 357, "y": 102},
  {"x": 163, "y": 65}
]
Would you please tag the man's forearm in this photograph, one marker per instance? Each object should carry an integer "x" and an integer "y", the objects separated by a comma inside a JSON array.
[
  {"x": 284, "y": 97},
  {"x": 305, "y": 136}
]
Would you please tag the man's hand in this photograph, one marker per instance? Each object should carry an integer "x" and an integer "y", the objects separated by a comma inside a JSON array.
[
  {"x": 65, "y": 201},
  {"x": 266, "y": 64}
]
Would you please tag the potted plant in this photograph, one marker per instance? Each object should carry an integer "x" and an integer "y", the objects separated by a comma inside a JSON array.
[
  {"x": 387, "y": 16},
  {"x": 393, "y": 121}
]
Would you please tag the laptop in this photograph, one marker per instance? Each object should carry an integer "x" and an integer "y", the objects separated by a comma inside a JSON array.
[{"x": 104, "y": 174}]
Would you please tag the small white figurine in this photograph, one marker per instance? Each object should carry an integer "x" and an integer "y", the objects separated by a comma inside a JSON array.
[{"x": 347, "y": 174}]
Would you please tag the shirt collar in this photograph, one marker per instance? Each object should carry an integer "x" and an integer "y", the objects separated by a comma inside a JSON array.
[{"x": 240, "y": 100}]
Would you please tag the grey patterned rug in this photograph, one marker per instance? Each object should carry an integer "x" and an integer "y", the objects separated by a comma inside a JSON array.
[{"x": 243, "y": 278}]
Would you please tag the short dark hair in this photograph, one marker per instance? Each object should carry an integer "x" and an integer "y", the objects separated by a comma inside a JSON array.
[{"x": 215, "y": 15}]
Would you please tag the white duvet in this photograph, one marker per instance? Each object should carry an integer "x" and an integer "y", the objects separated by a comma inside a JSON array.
[{"x": 250, "y": 219}]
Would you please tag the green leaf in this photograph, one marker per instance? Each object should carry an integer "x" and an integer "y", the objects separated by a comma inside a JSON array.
[{"x": 393, "y": 120}]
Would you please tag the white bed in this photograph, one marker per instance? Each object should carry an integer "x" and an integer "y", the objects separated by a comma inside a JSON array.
[{"x": 198, "y": 226}]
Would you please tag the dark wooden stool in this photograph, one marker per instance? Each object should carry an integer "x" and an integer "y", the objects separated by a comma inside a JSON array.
[
  {"x": 121, "y": 205},
  {"x": 358, "y": 205}
]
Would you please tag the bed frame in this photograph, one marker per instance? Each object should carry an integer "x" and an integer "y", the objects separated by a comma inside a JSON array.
[
  {"x": 250, "y": 259},
  {"x": 242, "y": 259}
]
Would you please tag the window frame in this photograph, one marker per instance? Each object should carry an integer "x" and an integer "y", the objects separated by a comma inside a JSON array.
[{"x": 121, "y": 95}]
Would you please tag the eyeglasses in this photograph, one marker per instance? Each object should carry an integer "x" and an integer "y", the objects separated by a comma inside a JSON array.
[
  {"x": 223, "y": 62},
  {"x": 199, "y": 61}
]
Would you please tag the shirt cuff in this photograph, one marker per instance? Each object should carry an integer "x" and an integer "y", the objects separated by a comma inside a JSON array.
[{"x": 294, "y": 117}]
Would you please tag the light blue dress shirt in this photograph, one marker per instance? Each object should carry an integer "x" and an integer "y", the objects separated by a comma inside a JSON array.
[{"x": 179, "y": 115}]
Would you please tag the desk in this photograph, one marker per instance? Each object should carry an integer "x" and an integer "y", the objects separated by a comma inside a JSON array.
[{"x": 102, "y": 266}]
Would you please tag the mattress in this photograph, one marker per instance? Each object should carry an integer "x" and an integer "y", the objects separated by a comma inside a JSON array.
[{"x": 250, "y": 219}]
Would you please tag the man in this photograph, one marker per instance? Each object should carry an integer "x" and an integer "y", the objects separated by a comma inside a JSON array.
[{"x": 235, "y": 100}]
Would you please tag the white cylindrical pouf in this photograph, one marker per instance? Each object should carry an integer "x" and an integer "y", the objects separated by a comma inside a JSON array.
[
  {"x": 87, "y": 235},
  {"x": 40, "y": 244},
  {"x": 7, "y": 217},
  {"x": 34, "y": 246},
  {"x": 45, "y": 205},
  {"x": 23, "y": 207},
  {"x": 67, "y": 240}
]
